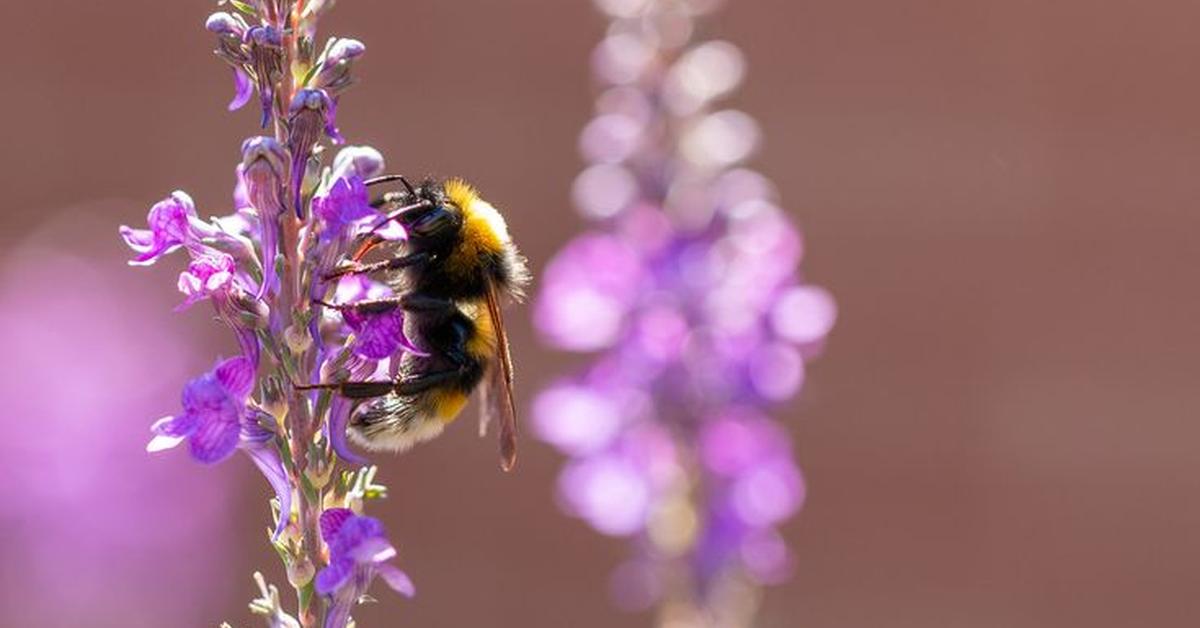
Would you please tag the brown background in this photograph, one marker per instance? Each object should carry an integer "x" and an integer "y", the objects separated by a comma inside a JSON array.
[{"x": 1002, "y": 196}]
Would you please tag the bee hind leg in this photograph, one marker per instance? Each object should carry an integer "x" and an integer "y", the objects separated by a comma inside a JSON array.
[{"x": 412, "y": 302}]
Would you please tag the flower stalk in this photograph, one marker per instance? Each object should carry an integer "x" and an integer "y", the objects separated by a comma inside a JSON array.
[{"x": 262, "y": 267}]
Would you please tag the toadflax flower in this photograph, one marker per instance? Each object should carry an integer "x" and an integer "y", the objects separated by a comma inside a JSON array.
[
  {"x": 265, "y": 267},
  {"x": 214, "y": 405},
  {"x": 688, "y": 292},
  {"x": 172, "y": 223},
  {"x": 358, "y": 551}
]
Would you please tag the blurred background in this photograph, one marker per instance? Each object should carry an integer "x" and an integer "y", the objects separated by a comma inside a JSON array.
[{"x": 1002, "y": 196}]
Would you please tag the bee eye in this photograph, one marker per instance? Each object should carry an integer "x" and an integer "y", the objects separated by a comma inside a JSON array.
[{"x": 433, "y": 222}]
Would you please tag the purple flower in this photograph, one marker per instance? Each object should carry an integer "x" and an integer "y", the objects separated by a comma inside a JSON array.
[
  {"x": 264, "y": 162},
  {"x": 361, "y": 161},
  {"x": 211, "y": 274},
  {"x": 256, "y": 442},
  {"x": 378, "y": 331},
  {"x": 336, "y": 63},
  {"x": 588, "y": 288},
  {"x": 173, "y": 223},
  {"x": 344, "y": 203},
  {"x": 213, "y": 407},
  {"x": 266, "y": 58},
  {"x": 358, "y": 551},
  {"x": 311, "y": 115}
]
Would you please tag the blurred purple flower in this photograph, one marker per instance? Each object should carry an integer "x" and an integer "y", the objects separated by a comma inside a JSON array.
[
  {"x": 358, "y": 551},
  {"x": 689, "y": 288}
]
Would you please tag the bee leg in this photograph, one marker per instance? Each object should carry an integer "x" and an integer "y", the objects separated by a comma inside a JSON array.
[
  {"x": 388, "y": 178},
  {"x": 391, "y": 264},
  {"x": 408, "y": 302},
  {"x": 418, "y": 384},
  {"x": 354, "y": 390}
]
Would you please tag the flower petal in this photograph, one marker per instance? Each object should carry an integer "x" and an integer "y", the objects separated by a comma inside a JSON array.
[
  {"x": 267, "y": 459},
  {"x": 242, "y": 90},
  {"x": 237, "y": 376},
  {"x": 216, "y": 438},
  {"x": 397, "y": 579},
  {"x": 162, "y": 442},
  {"x": 339, "y": 416},
  {"x": 374, "y": 549},
  {"x": 334, "y": 576},
  {"x": 331, "y": 522},
  {"x": 175, "y": 426},
  {"x": 378, "y": 334}
]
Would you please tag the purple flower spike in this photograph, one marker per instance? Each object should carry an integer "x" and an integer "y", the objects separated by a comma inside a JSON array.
[
  {"x": 274, "y": 292},
  {"x": 264, "y": 161},
  {"x": 213, "y": 407},
  {"x": 358, "y": 551},
  {"x": 689, "y": 289},
  {"x": 379, "y": 331},
  {"x": 173, "y": 223}
]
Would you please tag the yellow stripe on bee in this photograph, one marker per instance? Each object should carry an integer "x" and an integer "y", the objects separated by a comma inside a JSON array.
[
  {"x": 483, "y": 230},
  {"x": 482, "y": 343},
  {"x": 447, "y": 404}
]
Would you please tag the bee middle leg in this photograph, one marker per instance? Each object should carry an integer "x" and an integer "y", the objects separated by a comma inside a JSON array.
[
  {"x": 395, "y": 263},
  {"x": 354, "y": 390},
  {"x": 411, "y": 302}
]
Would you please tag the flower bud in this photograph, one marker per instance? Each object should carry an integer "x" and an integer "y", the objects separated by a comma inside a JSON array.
[
  {"x": 263, "y": 165},
  {"x": 251, "y": 312},
  {"x": 274, "y": 399},
  {"x": 300, "y": 572},
  {"x": 336, "y": 63},
  {"x": 266, "y": 56},
  {"x": 364, "y": 161},
  {"x": 297, "y": 338},
  {"x": 311, "y": 114},
  {"x": 226, "y": 24}
]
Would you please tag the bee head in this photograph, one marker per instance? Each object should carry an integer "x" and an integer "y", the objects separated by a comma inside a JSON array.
[{"x": 436, "y": 226}]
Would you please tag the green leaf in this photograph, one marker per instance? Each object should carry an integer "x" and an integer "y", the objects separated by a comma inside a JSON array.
[{"x": 243, "y": 7}]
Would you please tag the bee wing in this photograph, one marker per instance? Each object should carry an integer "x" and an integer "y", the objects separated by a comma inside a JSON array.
[{"x": 497, "y": 398}]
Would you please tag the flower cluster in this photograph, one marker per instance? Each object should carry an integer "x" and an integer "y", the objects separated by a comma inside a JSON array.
[
  {"x": 264, "y": 267},
  {"x": 688, "y": 291}
]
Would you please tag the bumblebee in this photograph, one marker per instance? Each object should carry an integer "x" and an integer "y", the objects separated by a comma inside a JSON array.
[{"x": 451, "y": 274}]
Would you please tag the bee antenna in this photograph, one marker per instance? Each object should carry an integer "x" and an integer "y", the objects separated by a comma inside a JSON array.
[{"x": 388, "y": 178}]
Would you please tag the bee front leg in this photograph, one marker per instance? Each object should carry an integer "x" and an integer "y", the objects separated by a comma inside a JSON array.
[{"x": 391, "y": 264}]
